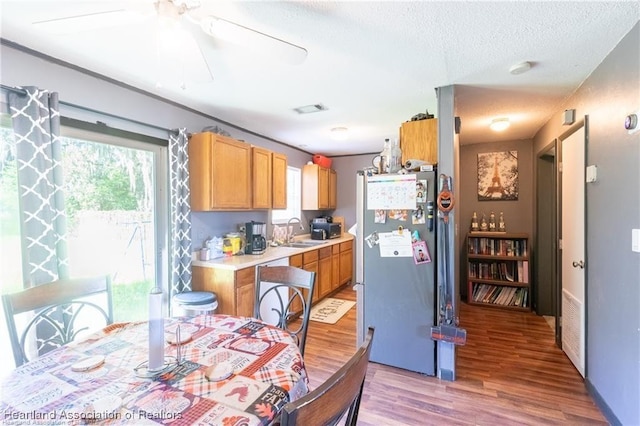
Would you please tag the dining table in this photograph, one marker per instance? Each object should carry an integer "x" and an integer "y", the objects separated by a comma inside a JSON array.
[{"x": 217, "y": 370}]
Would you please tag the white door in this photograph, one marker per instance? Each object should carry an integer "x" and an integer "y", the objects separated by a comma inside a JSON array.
[{"x": 573, "y": 250}]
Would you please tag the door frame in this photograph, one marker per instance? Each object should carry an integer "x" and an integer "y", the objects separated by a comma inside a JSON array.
[
  {"x": 560, "y": 158},
  {"x": 550, "y": 192}
]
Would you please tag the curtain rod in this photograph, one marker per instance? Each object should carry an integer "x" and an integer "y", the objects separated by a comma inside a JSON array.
[{"x": 82, "y": 108}]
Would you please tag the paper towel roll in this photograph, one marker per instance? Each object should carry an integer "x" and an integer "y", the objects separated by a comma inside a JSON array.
[
  {"x": 412, "y": 164},
  {"x": 156, "y": 331}
]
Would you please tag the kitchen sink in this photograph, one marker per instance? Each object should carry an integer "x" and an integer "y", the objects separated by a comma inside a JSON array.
[{"x": 305, "y": 244}]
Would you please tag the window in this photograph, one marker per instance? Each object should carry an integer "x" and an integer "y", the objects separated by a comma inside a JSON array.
[
  {"x": 116, "y": 216},
  {"x": 10, "y": 247},
  {"x": 294, "y": 198},
  {"x": 113, "y": 188}
]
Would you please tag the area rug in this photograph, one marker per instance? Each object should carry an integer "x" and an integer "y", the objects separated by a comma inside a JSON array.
[{"x": 330, "y": 310}]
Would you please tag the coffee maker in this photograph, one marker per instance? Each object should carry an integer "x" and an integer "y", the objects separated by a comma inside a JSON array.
[{"x": 256, "y": 237}]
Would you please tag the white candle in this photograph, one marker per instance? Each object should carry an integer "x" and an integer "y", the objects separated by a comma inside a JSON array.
[{"x": 156, "y": 331}]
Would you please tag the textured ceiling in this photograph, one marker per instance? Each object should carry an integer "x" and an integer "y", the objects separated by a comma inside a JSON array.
[{"x": 372, "y": 64}]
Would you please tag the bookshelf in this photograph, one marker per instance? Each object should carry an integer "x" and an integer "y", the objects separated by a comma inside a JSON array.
[{"x": 499, "y": 270}]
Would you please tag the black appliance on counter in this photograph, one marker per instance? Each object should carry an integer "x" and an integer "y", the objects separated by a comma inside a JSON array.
[
  {"x": 256, "y": 237},
  {"x": 325, "y": 230}
]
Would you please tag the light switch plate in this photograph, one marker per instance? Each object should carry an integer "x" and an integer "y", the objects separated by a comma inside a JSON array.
[
  {"x": 635, "y": 240},
  {"x": 591, "y": 173}
]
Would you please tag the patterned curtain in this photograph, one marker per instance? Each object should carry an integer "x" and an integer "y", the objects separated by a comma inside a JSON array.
[
  {"x": 36, "y": 125},
  {"x": 180, "y": 212}
]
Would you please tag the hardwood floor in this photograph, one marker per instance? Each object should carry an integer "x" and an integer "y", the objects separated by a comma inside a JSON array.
[{"x": 510, "y": 372}]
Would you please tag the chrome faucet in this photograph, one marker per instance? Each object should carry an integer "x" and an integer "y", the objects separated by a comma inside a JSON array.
[{"x": 293, "y": 233}]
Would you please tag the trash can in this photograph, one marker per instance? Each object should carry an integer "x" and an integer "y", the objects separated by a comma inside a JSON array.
[{"x": 192, "y": 303}]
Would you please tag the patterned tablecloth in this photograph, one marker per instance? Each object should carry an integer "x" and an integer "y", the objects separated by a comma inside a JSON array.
[{"x": 268, "y": 371}]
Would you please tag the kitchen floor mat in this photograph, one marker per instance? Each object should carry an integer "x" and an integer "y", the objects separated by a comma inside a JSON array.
[{"x": 330, "y": 310}]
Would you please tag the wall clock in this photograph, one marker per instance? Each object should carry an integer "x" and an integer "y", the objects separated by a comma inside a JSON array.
[{"x": 376, "y": 162}]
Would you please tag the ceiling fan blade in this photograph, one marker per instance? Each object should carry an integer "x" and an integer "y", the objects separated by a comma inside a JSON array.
[
  {"x": 92, "y": 21},
  {"x": 255, "y": 40}
]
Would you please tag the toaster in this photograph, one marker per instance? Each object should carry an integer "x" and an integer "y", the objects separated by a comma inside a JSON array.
[{"x": 325, "y": 231}]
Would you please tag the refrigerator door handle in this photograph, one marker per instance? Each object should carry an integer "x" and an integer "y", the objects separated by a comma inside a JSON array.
[{"x": 359, "y": 287}]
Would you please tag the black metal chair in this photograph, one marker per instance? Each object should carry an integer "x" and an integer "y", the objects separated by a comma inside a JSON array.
[
  {"x": 340, "y": 394},
  {"x": 60, "y": 311},
  {"x": 288, "y": 292}
]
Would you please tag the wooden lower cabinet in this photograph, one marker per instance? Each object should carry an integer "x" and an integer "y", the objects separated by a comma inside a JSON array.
[
  {"x": 235, "y": 289},
  {"x": 346, "y": 262},
  {"x": 295, "y": 260},
  {"x": 335, "y": 266},
  {"x": 310, "y": 263},
  {"x": 245, "y": 291},
  {"x": 323, "y": 279}
]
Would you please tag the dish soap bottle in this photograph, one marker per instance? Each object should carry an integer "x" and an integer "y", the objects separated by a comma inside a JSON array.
[
  {"x": 385, "y": 157},
  {"x": 395, "y": 160}
]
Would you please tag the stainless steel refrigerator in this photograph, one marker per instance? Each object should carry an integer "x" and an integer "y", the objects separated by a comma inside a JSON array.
[{"x": 396, "y": 292}]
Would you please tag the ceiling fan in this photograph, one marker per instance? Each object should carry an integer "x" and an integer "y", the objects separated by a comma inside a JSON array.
[{"x": 174, "y": 13}]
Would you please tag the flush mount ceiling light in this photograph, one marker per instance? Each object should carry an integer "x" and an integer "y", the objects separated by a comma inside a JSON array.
[
  {"x": 520, "y": 68},
  {"x": 339, "y": 133},
  {"x": 499, "y": 124}
]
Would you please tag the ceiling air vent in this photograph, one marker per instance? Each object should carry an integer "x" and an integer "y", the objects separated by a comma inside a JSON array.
[{"x": 308, "y": 109}]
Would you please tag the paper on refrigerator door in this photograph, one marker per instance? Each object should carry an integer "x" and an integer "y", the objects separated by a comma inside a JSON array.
[
  {"x": 395, "y": 244},
  {"x": 386, "y": 192}
]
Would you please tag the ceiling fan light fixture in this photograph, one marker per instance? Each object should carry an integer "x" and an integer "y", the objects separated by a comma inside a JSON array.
[
  {"x": 257, "y": 41},
  {"x": 499, "y": 124},
  {"x": 90, "y": 22},
  {"x": 223, "y": 29}
]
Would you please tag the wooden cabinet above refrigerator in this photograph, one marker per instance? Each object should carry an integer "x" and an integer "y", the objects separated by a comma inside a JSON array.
[{"x": 419, "y": 140}]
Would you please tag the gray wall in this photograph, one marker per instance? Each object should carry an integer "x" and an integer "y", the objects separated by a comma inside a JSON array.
[
  {"x": 346, "y": 168},
  {"x": 79, "y": 88},
  {"x": 518, "y": 215},
  {"x": 613, "y": 209}
]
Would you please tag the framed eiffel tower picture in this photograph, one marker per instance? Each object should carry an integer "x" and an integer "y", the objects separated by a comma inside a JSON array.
[{"x": 498, "y": 176}]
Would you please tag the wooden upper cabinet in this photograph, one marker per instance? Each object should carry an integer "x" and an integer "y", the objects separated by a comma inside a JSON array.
[
  {"x": 227, "y": 174},
  {"x": 419, "y": 140},
  {"x": 262, "y": 177},
  {"x": 219, "y": 173},
  {"x": 279, "y": 181},
  {"x": 333, "y": 189},
  {"x": 315, "y": 187}
]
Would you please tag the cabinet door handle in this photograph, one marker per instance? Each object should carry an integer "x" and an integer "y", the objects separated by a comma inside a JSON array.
[{"x": 578, "y": 264}]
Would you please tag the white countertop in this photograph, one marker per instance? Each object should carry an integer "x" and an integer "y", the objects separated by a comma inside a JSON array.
[{"x": 271, "y": 254}]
